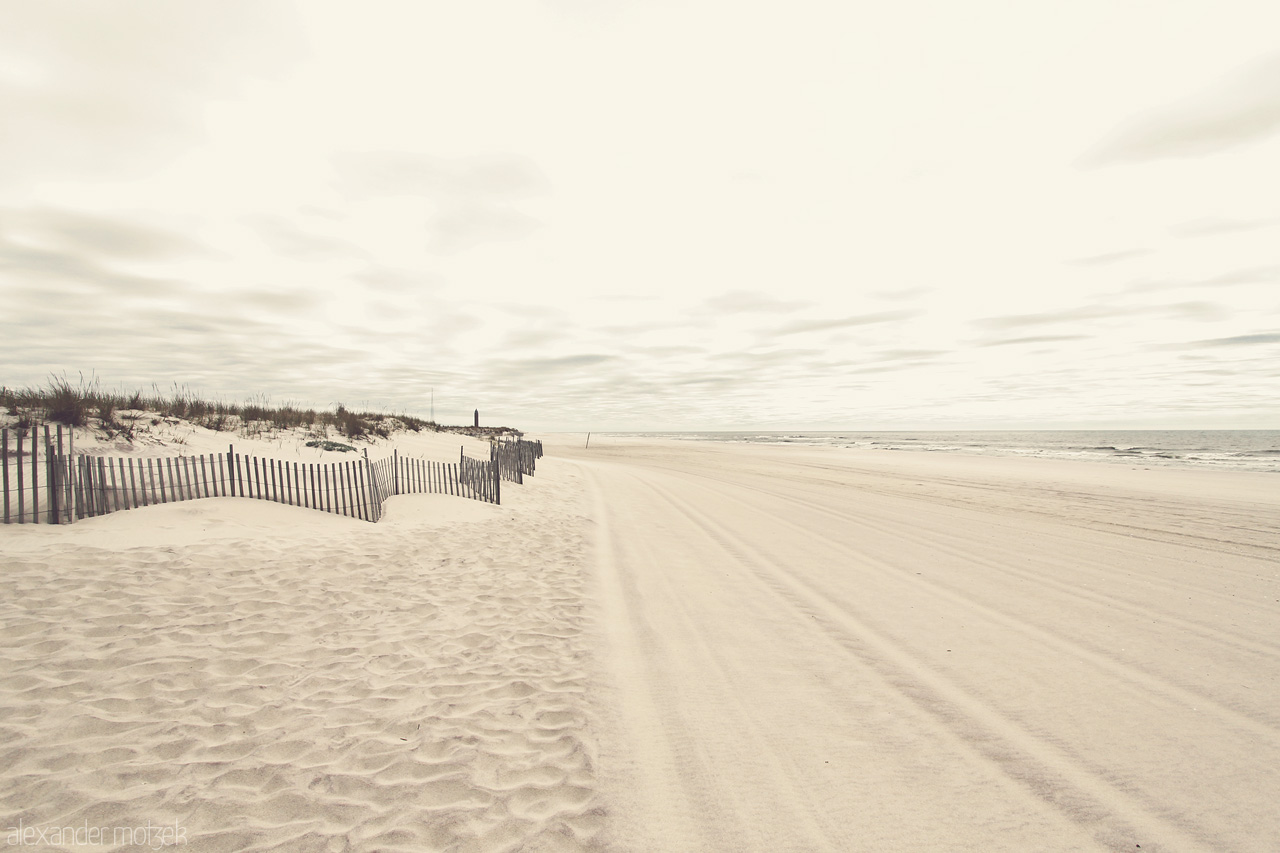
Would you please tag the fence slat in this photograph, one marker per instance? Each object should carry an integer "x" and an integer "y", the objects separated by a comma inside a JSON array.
[
  {"x": 354, "y": 474},
  {"x": 22, "y": 479},
  {"x": 95, "y": 486},
  {"x": 50, "y": 480},
  {"x": 339, "y": 471},
  {"x": 102, "y": 484},
  {"x": 352, "y": 498},
  {"x": 164, "y": 496},
  {"x": 362, "y": 483},
  {"x": 339, "y": 504},
  {"x": 67, "y": 478},
  {"x": 114, "y": 503},
  {"x": 344, "y": 488},
  {"x": 123, "y": 494},
  {"x": 35, "y": 474},
  {"x": 4, "y": 457},
  {"x": 86, "y": 487}
]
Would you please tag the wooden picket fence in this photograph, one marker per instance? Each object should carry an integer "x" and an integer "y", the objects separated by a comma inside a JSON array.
[
  {"x": 64, "y": 487},
  {"x": 516, "y": 458}
]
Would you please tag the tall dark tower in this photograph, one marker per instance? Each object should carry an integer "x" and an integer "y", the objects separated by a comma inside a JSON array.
[{"x": 477, "y": 419}]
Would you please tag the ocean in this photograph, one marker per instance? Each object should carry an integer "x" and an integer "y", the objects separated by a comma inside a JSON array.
[{"x": 1238, "y": 450}]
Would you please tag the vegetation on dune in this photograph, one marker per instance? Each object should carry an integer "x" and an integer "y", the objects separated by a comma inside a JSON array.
[
  {"x": 325, "y": 444},
  {"x": 87, "y": 404}
]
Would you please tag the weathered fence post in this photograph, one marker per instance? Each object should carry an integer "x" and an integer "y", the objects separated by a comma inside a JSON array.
[
  {"x": 22, "y": 501},
  {"x": 71, "y": 485},
  {"x": 64, "y": 487},
  {"x": 497, "y": 473},
  {"x": 50, "y": 477},
  {"x": 375, "y": 496},
  {"x": 35, "y": 472},
  {"x": 4, "y": 460}
]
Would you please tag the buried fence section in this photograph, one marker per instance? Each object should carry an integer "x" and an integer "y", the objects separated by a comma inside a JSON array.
[
  {"x": 43, "y": 479},
  {"x": 469, "y": 478},
  {"x": 37, "y": 488},
  {"x": 517, "y": 458}
]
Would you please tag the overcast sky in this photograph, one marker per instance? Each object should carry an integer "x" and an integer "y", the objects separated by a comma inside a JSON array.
[{"x": 600, "y": 214}]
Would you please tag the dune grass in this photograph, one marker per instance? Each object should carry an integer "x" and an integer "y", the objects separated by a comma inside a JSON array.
[{"x": 86, "y": 403}]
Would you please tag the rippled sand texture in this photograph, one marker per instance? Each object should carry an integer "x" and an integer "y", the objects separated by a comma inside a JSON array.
[{"x": 294, "y": 681}]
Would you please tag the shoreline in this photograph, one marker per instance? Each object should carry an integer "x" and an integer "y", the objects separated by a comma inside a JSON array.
[{"x": 1239, "y": 450}]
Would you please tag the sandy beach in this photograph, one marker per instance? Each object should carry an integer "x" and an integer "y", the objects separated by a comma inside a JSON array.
[{"x": 665, "y": 646}]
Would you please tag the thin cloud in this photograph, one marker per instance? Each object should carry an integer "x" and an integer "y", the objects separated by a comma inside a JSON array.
[
  {"x": 909, "y": 355},
  {"x": 757, "y": 359},
  {"x": 472, "y": 195},
  {"x": 398, "y": 173},
  {"x": 115, "y": 88},
  {"x": 750, "y": 302},
  {"x": 1248, "y": 275},
  {"x": 1033, "y": 339},
  {"x": 391, "y": 281},
  {"x": 1211, "y": 226},
  {"x": 1072, "y": 315},
  {"x": 94, "y": 234},
  {"x": 1200, "y": 311},
  {"x": 902, "y": 295},
  {"x": 557, "y": 364},
  {"x": 287, "y": 240},
  {"x": 1109, "y": 258},
  {"x": 1243, "y": 109},
  {"x": 665, "y": 351},
  {"x": 525, "y": 338},
  {"x": 803, "y": 326},
  {"x": 1241, "y": 340},
  {"x": 465, "y": 226},
  {"x": 54, "y": 271}
]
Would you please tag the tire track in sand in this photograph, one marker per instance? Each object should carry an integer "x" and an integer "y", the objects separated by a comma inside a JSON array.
[
  {"x": 1048, "y": 769},
  {"x": 863, "y": 763}
]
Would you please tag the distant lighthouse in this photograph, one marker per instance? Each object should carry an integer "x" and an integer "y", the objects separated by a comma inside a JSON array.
[{"x": 477, "y": 419}]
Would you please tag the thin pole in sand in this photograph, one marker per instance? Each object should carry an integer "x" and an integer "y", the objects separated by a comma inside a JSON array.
[
  {"x": 4, "y": 461},
  {"x": 588, "y": 444},
  {"x": 22, "y": 501},
  {"x": 50, "y": 477},
  {"x": 35, "y": 471}
]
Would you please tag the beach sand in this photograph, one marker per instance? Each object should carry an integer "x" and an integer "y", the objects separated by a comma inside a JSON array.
[
  {"x": 262, "y": 677},
  {"x": 822, "y": 649},
  {"x": 665, "y": 646}
]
